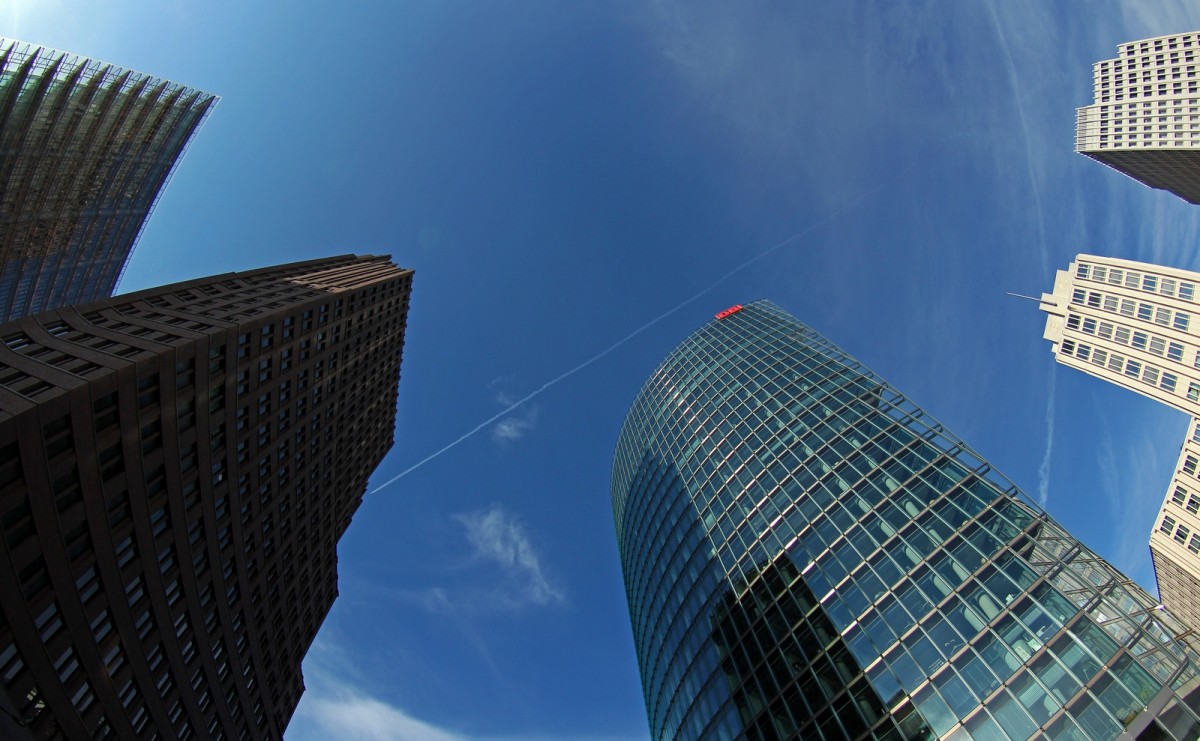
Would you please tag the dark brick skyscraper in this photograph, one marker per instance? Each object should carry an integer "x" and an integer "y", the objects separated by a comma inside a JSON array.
[{"x": 176, "y": 468}]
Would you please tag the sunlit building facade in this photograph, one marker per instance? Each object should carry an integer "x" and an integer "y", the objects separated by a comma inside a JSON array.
[
  {"x": 85, "y": 149},
  {"x": 1138, "y": 325},
  {"x": 807, "y": 554},
  {"x": 177, "y": 466},
  {"x": 1145, "y": 118}
]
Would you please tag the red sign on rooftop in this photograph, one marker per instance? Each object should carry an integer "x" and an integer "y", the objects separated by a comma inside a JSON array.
[{"x": 731, "y": 310}]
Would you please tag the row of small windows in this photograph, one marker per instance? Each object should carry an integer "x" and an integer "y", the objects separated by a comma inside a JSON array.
[
  {"x": 1135, "y": 369},
  {"x": 1180, "y": 533},
  {"x": 1135, "y": 280},
  {"x": 1184, "y": 499},
  {"x": 1160, "y": 315},
  {"x": 1135, "y": 338},
  {"x": 1144, "y": 47}
]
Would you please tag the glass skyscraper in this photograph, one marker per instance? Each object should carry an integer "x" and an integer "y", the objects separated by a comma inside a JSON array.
[
  {"x": 807, "y": 554},
  {"x": 85, "y": 150}
]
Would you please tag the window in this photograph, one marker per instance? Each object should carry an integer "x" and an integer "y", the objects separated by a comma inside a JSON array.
[
  {"x": 1168, "y": 525},
  {"x": 1194, "y": 544},
  {"x": 1145, "y": 312},
  {"x": 1193, "y": 505},
  {"x": 1178, "y": 496},
  {"x": 1133, "y": 368},
  {"x": 1175, "y": 352},
  {"x": 1181, "y": 321},
  {"x": 1139, "y": 340},
  {"x": 1181, "y": 534},
  {"x": 1149, "y": 283},
  {"x": 1093, "y": 299},
  {"x": 1168, "y": 381},
  {"x": 1162, "y": 316}
]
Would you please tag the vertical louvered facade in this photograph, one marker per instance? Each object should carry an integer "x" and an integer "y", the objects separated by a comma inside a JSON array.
[
  {"x": 176, "y": 468},
  {"x": 85, "y": 149}
]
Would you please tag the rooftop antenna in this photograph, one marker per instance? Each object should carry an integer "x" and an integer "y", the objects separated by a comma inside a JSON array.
[{"x": 1021, "y": 295}]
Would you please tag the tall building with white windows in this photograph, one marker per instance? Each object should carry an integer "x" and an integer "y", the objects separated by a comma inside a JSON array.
[
  {"x": 1145, "y": 120},
  {"x": 1138, "y": 326}
]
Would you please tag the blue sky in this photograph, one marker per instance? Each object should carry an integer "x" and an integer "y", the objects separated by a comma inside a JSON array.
[{"x": 563, "y": 175}]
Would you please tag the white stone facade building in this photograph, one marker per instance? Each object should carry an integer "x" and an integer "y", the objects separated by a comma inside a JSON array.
[
  {"x": 1145, "y": 118},
  {"x": 1138, "y": 325}
]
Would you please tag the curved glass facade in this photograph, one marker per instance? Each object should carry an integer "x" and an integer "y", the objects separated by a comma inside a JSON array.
[
  {"x": 807, "y": 554},
  {"x": 85, "y": 149}
]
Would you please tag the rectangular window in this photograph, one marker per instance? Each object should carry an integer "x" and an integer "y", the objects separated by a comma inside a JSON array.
[
  {"x": 1187, "y": 291},
  {"x": 1093, "y": 300},
  {"x": 1194, "y": 544},
  {"x": 1110, "y": 303},
  {"x": 1145, "y": 312},
  {"x": 1149, "y": 283},
  {"x": 1181, "y": 534},
  {"x": 1157, "y": 345},
  {"x": 1193, "y": 504},
  {"x": 1104, "y": 329},
  {"x": 1175, "y": 352},
  {"x": 1162, "y": 316},
  {"x": 1189, "y": 465},
  {"x": 1100, "y": 357},
  {"x": 1127, "y": 307},
  {"x": 1182, "y": 321},
  {"x": 1168, "y": 381},
  {"x": 1122, "y": 335},
  {"x": 1082, "y": 271},
  {"x": 1139, "y": 340},
  {"x": 1167, "y": 526},
  {"x": 1133, "y": 368},
  {"x": 1089, "y": 326},
  {"x": 1115, "y": 276},
  {"x": 1099, "y": 273},
  {"x": 1072, "y": 321},
  {"x": 1116, "y": 363},
  {"x": 1167, "y": 288},
  {"x": 1150, "y": 375},
  {"x": 1179, "y": 496}
]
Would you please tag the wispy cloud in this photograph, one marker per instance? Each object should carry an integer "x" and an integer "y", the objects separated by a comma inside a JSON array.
[
  {"x": 1134, "y": 474},
  {"x": 349, "y": 713},
  {"x": 499, "y": 537},
  {"x": 516, "y": 426},
  {"x": 523, "y": 418},
  {"x": 1043, "y": 481},
  {"x": 334, "y": 706}
]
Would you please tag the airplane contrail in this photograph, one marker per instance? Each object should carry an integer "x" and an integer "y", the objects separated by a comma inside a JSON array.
[{"x": 608, "y": 350}]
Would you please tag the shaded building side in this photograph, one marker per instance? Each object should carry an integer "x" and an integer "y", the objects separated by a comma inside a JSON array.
[{"x": 176, "y": 468}]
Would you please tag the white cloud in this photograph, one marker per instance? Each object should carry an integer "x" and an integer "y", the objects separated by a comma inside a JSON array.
[
  {"x": 352, "y": 715},
  {"x": 501, "y": 538},
  {"x": 1043, "y": 490},
  {"x": 514, "y": 427},
  {"x": 335, "y": 707}
]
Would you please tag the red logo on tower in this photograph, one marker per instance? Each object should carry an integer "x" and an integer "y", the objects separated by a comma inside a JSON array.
[{"x": 731, "y": 310}]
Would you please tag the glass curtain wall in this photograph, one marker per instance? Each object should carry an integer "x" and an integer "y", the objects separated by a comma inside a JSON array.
[{"x": 807, "y": 554}]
